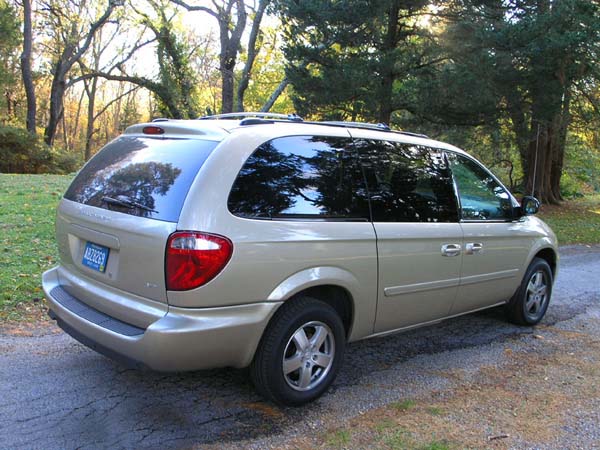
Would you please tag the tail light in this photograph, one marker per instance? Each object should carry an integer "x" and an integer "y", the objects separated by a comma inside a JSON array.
[{"x": 193, "y": 259}]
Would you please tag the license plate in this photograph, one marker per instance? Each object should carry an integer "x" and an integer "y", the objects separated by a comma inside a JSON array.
[{"x": 95, "y": 256}]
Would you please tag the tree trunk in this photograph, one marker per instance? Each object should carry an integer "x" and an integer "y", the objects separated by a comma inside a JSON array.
[
  {"x": 74, "y": 49},
  {"x": 559, "y": 150},
  {"x": 545, "y": 160},
  {"x": 57, "y": 94},
  {"x": 226, "y": 89},
  {"x": 275, "y": 95},
  {"x": 26, "y": 68},
  {"x": 55, "y": 108},
  {"x": 252, "y": 52},
  {"x": 89, "y": 132},
  {"x": 230, "y": 37}
]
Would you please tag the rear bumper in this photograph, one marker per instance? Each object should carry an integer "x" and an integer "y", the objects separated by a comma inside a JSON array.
[{"x": 181, "y": 339}]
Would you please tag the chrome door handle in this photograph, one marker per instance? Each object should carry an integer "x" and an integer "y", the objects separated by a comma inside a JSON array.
[
  {"x": 473, "y": 247},
  {"x": 451, "y": 249}
]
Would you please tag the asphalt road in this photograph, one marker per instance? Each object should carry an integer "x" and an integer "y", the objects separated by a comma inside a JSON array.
[{"x": 57, "y": 394}]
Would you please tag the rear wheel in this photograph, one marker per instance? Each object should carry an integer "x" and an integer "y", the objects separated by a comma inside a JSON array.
[
  {"x": 300, "y": 352},
  {"x": 529, "y": 304}
]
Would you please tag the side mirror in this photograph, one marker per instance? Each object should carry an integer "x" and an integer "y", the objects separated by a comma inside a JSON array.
[{"x": 529, "y": 205}]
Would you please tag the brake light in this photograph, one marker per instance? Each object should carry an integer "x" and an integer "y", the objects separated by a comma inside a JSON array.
[
  {"x": 193, "y": 259},
  {"x": 153, "y": 130}
]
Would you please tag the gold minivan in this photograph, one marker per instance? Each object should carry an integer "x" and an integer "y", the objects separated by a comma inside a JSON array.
[{"x": 262, "y": 240}]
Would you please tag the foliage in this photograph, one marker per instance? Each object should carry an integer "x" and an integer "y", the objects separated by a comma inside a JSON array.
[
  {"x": 176, "y": 75},
  {"x": 9, "y": 44},
  {"x": 500, "y": 76},
  {"x": 346, "y": 57},
  {"x": 21, "y": 152},
  {"x": 27, "y": 245},
  {"x": 266, "y": 74},
  {"x": 517, "y": 62}
]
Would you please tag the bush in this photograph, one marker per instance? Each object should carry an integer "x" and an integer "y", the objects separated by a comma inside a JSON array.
[{"x": 21, "y": 152}]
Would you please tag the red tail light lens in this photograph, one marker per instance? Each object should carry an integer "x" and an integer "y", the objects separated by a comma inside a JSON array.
[
  {"x": 153, "y": 130},
  {"x": 193, "y": 259}
]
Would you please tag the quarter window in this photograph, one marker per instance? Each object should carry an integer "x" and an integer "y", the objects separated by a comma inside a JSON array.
[
  {"x": 301, "y": 177},
  {"x": 481, "y": 196},
  {"x": 407, "y": 183}
]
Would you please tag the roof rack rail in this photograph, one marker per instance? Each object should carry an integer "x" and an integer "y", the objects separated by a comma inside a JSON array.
[
  {"x": 367, "y": 126},
  {"x": 262, "y": 115},
  {"x": 258, "y": 118},
  {"x": 370, "y": 126}
]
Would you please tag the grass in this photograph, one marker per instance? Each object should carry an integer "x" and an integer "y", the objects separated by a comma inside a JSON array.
[
  {"x": 404, "y": 405},
  {"x": 338, "y": 439},
  {"x": 27, "y": 245},
  {"x": 575, "y": 221}
]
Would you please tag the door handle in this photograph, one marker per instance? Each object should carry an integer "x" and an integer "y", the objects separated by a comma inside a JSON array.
[
  {"x": 473, "y": 247},
  {"x": 451, "y": 249}
]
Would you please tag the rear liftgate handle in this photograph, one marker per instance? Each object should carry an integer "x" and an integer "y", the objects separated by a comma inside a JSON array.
[{"x": 451, "y": 249}]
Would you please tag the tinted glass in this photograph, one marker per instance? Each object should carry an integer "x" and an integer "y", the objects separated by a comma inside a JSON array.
[
  {"x": 149, "y": 177},
  {"x": 481, "y": 196},
  {"x": 301, "y": 177},
  {"x": 407, "y": 183}
]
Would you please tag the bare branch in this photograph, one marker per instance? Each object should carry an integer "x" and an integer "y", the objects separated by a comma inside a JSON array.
[
  {"x": 114, "y": 100},
  {"x": 196, "y": 8},
  {"x": 92, "y": 31}
]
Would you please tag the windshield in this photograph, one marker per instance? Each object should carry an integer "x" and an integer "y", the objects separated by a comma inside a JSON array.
[{"x": 143, "y": 177}]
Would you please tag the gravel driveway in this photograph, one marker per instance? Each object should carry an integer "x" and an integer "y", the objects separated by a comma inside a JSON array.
[{"x": 57, "y": 394}]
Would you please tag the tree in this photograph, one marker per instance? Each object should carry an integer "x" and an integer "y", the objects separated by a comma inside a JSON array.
[
  {"x": 231, "y": 18},
  {"x": 175, "y": 86},
  {"x": 30, "y": 120},
  {"x": 528, "y": 56},
  {"x": 346, "y": 58},
  {"x": 92, "y": 85},
  {"x": 252, "y": 53},
  {"x": 173, "y": 56},
  {"x": 9, "y": 32},
  {"x": 73, "y": 40}
]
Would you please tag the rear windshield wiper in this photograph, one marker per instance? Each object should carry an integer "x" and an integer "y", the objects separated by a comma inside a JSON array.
[{"x": 126, "y": 203}]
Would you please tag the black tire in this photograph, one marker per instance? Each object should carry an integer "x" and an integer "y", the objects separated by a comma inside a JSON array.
[
  {"x": 524, "y": 308},
  {"x": 292, "y": 322}
]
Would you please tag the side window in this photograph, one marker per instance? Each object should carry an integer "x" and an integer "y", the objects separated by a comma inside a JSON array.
[
  {"x": 481, "y": 196},
  {"x": 301, "y": 177},
  {"x": 407, "y": 183}
]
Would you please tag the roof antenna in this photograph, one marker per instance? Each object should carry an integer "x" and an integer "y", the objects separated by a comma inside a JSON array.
[{"x": 537, "y": 146}]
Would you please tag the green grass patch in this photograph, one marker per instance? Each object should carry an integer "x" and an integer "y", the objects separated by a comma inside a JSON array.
[
  {"x": 435, "y": 411},
  {"x": 27, "y": 244},
  {"x": 403, "y": 405},
  {"x": 338, "y": 439},
  {"x": 397, "y": 439},
  {"x": 575, "y": 221},
  {"x": 436, "y": 445}
]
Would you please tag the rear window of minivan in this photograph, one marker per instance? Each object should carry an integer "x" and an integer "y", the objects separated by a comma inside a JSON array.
[{"x": 145, "y": 177}]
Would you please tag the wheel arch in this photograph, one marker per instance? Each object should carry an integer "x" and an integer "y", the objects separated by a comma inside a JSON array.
[
  {"x": 331, "y": 285},
  {"x": 335, "y": 296},
  {"x": 551, "y": 257}
]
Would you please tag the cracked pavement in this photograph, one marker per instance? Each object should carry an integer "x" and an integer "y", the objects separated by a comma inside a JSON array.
[{"x": 57, "y": 394}]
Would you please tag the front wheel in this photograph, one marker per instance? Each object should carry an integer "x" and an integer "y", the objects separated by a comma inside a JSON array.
[
  {"x": 300, "y": 353},
  {"x": 529, "y": 304}
]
